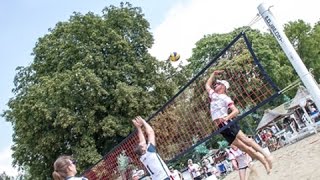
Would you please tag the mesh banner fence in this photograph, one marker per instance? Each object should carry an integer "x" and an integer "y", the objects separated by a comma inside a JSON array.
[{"x": 184, "y": 121}]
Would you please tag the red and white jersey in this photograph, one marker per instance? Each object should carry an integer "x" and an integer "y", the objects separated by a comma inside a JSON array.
[{"x": 219, "y": 104}]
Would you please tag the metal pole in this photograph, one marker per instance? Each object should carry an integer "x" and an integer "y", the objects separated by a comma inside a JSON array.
[{"x": 291, "y": 53}]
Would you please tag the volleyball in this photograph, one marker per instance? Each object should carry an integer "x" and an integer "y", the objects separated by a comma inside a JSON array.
[{"x": 174, "y": 57}]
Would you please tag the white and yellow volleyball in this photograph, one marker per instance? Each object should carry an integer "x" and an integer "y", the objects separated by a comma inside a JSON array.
[{"x": 174, "y": 57}]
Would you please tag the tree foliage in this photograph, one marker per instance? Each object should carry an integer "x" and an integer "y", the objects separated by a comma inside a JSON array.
[
  {"x": 90, "y": 76},
  {"x": 4, "y": 176},
  {"x": 306, "y": 40}
]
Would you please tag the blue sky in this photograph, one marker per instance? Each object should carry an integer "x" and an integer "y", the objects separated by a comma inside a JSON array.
[{"x": 181, "y": 22}]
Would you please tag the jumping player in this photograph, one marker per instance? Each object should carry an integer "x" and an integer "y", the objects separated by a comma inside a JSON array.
[
  {"x": 219, "y": 106},
  {"x": 156, "y": 167}
]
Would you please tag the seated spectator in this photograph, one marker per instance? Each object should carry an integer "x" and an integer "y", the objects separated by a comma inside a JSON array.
[
  {"x": 221, "y": 168},
  {"x": 210, "y": 171},
  {"x": 137, "y": 174}
]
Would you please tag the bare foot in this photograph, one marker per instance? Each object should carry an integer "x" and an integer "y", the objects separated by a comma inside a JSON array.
[
  {"x": 265, "y": 163},
  {"x": 269, "y": 160}
]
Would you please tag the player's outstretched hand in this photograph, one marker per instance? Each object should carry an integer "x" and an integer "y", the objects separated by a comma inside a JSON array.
[{"x": 138, "y": 122}]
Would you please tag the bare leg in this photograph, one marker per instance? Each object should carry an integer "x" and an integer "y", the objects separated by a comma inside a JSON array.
[
  {"x": 251, "y": 143},
  {"x": 251, "y": 152},
  {"x": 242, "y": 174}
]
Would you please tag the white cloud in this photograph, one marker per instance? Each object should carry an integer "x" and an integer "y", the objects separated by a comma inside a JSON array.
[
  {"x": 6, "y": 161},
  {"x": 188, "y": 22}
]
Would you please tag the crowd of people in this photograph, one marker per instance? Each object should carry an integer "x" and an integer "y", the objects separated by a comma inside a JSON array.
[{"x": 208, "y": 169}]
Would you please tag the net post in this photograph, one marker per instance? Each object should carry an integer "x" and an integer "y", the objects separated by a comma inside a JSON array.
[{"x": 291, "y": 53}]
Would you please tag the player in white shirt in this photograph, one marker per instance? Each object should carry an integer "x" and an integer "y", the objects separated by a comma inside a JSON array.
[
  {"x": 156, "y": 167},
  {"x": 219, "y": 106}
]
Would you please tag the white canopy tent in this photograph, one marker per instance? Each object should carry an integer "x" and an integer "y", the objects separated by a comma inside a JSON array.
[
  {"x": 271, "y": 115},
  {"x": 301, "y": 98}
]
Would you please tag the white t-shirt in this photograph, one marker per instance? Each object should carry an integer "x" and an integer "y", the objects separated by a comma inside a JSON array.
[
  {"x": 211, "y": 169},
  {"x": 157, "y": 169},
  {"x": 175, "y": 175},
  {"x": 219, "y": 104},
  {"x": 242, "y": 158},
  {"x": 194, "y": 169},
  {"x": 232, "y": 154}
]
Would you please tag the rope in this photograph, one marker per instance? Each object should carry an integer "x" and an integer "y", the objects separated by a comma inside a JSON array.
[
  {"x": 296, "y": 82},
  {"x": 291, "y": 86},
  {"x": 252, "y": 22}
]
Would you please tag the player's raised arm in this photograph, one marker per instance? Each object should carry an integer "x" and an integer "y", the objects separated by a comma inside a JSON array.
[
  {"x": 150, "y": 132},
  {"x": 138, "y": 124}
]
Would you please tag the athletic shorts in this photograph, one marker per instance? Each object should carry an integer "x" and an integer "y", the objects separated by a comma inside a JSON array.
[
  {"x": 243, "y": 168},
  {"x": 231, "y": 132}
]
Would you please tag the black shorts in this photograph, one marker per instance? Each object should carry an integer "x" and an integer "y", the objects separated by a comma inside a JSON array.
[
  {"x": 231, "y": 132},
  {"x": 243, "y": 168}
]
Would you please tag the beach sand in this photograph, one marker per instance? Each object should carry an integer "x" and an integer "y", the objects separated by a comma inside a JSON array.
[{"x": 298, "y": 161}]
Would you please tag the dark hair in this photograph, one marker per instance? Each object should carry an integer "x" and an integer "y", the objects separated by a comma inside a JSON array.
[{"x": 138, "y": 150}]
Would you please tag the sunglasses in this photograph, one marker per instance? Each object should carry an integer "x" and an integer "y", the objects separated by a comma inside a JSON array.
[{"x": 73, "y": 161}]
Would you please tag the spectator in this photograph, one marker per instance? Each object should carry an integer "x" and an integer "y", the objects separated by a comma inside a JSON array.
[
  {"x": 137, "y": 174},
  {"x": 194, "y": 170},
  {"x": 240, "y": 160},
  {"x": 175, "y": 174},
  {"x": 210, "y": 171}
]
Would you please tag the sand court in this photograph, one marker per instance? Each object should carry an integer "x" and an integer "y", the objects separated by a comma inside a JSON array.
[{"x": 298, "y": 161}]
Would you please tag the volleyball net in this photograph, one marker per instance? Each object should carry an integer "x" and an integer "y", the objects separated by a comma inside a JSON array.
[{"x": 184, "y": 121}]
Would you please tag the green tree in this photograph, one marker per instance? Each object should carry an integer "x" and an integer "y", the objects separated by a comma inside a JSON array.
[
  {"x": 4, "y": 176},
  {"x": 89, "y": 77},
  {"x": 306, "y": 40}
]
